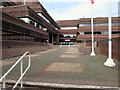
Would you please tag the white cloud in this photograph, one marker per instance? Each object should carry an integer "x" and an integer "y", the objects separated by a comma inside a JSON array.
[{"x": 100, "y": 9}]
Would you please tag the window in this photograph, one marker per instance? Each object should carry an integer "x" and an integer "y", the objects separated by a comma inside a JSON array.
[
  {"x": 115, "y": 24},
  {"x": 104, "y": 33},
  {"x": 40, "y": 14},
  {"x": 45, "y": 29},
  {"x": 37, "y": 25},
  {"x": 100, "y": 24},
  {"x": 115, "y": 32},
  {"x": 32, "y": 22},
  {"x": 27, "y": 20},
  {"x": 68, "y": 28},
  {"x": 81, "y": 33},
  {"x": 85, "y": 24},
  {"x": 19, "y": 37},
  {"x": 40, "y": 26},
  {"x": 69, "y": 35},
  {"x": 88, "y": 32},
  {"x": 97, "y": 32},
  {"x": 1, "y": 6}
]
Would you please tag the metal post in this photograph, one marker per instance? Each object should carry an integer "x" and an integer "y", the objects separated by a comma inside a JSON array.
[
  {"x": 92, "y": 53},
  {"x": 21, "y": 73},
  {"x": 110, "y": 62}
]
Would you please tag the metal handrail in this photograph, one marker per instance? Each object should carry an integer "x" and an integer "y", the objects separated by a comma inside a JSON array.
[{"x": 22, "y": 73}]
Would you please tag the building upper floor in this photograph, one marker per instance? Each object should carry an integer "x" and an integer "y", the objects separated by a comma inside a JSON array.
[
  {"x": 31, "y": 11},
  {"x": 98, "y": 21},
  {"x": 84, "y": 25}
]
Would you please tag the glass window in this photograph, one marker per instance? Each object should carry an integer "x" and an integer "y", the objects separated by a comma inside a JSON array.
[
  {"x": 69, "y": 28},
  {"x": 105, "y": 32},
  {"x": 40, "y": 14},
  {"x": 85, "y": 24},
  {"x": 27, "y": 20},
  {"x": 45, "y": 29},
  {"x": 115, "y": 32},
  {"x": 32, "y": 22},
  {"x": 115, "y": 24},
  {"x": 69, "y": 35},
  {"x": 37, "y": 25},
  {"x": 81, "y": 33},
  {"x": 1, "y": 6}
]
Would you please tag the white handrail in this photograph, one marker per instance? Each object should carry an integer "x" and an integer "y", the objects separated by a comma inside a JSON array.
[{"x": 22, "y": 73}]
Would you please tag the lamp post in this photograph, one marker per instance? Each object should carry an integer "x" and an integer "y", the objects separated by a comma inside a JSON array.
[
  {"x": 109, "y": 62},
  {"x": 93, "y": 52}
]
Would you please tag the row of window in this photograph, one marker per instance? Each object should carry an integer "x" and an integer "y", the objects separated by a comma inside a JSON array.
[
  {"x": 89, "y": 24},
  {"x": 83, "y": 41},
  {"x": 27, "y": 20},
  {"x": 103, "y": 33},
  {"x": 43, "y": 17},
  {"x": 20, "y": 37},
  {"x": 67, "y": 35},
  {"x": 99, "y": 24},
  {"x": 40, "y": 14},
  {"x": 69, "y": 28},
  {"x": 67, "y": 43},
  {"x": 33, "y": 22}
]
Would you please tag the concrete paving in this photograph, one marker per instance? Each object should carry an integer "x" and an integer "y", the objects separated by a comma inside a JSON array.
[{"x": 66, "y": 65}]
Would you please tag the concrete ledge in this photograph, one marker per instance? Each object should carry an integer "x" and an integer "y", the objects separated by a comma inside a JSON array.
[{"x": 59, "y": 85}]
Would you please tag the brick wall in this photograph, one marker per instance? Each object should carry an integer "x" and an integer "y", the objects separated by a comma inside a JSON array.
[
  {"x": 14, "y": 48},
  {"x": 103, "y": 48}
]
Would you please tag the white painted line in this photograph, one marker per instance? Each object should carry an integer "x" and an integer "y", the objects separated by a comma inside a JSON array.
[{"x": 61, "y": 85}]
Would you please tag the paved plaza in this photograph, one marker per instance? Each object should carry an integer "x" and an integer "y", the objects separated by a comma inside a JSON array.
[{"x": 66, "y": 65}]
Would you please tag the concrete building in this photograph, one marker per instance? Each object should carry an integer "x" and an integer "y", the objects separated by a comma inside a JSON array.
[
  {"x": 28, "y": 24},
  {"x": 25, "y": 24},
  {"x": 78, "y": 31}
]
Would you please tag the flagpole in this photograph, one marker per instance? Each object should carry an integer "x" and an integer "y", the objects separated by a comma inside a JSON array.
[
  {"x": 24, "y": 2},
  {"x": 92, "y": 53},
  {"x": 109, "y": 62}
]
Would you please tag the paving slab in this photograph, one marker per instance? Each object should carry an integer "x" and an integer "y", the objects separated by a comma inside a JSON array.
[{"x": 60, "y": 67}]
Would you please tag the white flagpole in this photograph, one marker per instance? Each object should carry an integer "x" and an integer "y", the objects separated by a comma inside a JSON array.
[
  {"x": 110, "y": 62},
  {"x": 24, "y": 2},
  {"x": 92, "y": 53}
]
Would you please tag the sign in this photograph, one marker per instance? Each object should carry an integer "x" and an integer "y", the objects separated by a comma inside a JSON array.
[{"x": 67, "y": 39}]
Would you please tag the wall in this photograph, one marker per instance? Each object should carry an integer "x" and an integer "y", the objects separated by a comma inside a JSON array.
[
  {"x": 15, "y": 48},
  {"x": 103, "y": 48}
]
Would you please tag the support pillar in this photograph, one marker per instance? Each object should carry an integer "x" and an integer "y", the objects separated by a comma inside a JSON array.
[{"x": 52, "y": 39}]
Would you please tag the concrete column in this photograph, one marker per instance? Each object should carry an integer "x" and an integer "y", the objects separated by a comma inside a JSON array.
[
  {"x": 52, "y": 39},
  {"x": 57, "y": 39}
]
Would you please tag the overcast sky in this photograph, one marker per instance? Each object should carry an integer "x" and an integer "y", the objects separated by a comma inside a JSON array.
[{"x": 75, "y": 9}]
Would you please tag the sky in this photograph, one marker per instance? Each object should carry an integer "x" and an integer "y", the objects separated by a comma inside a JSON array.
[{"x": 75, "y": 9}]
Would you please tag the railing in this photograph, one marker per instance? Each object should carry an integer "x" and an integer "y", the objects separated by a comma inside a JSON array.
[{"x": 2, "y": 79}]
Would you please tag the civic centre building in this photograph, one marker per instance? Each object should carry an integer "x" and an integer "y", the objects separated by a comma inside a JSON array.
[
  {"x": 28, "y": 24},
  {"x": 78, "y": 31}
]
